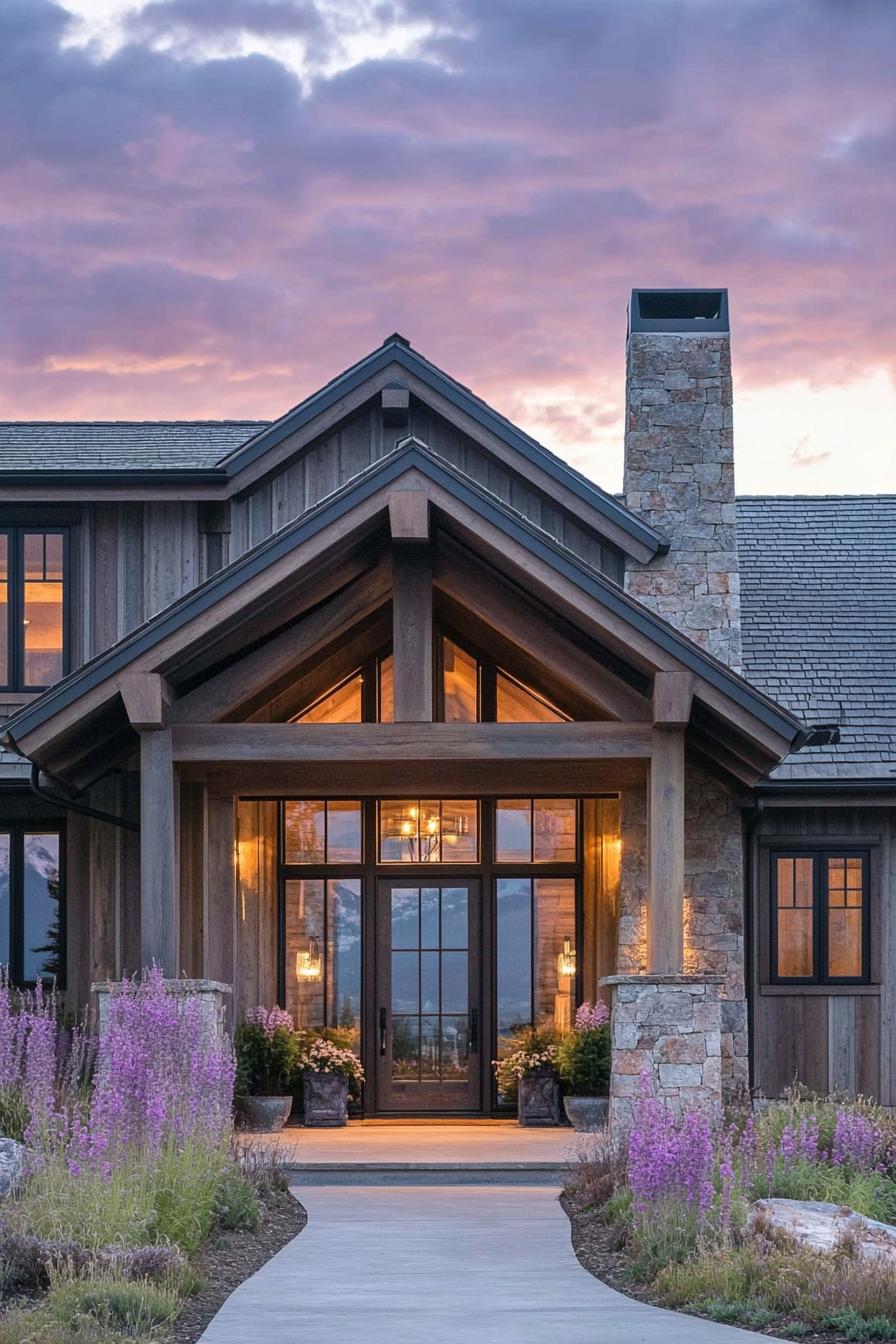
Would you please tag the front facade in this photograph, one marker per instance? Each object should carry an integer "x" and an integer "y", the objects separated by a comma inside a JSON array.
[{"x": 383, "y": 713}]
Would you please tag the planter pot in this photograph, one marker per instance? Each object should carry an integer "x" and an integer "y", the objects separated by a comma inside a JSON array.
[
  {"x": 539, "y": 1099},
  {"x": 265, "y": 1115},
  {"x": 325, "y": 1098},
  {"x": 587, "y": 1113}
]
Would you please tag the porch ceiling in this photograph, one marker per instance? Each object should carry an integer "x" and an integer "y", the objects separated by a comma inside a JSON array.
[{"x": 243, "y": 637}]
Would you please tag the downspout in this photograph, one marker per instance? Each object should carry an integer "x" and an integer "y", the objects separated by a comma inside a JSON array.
[
  {"x": 69, "y": 804},
  {"x": 749, "y": 833}
]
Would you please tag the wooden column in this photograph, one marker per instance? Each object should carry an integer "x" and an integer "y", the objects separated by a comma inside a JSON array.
[
  {"x": 411, "y": 606},
  {"x": 665, "y": 840},
  {"x": 158, "y": 853},
  {"x": 219, "y": 889}
]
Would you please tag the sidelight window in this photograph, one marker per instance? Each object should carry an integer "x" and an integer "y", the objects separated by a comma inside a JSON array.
[{"x": 820, "y": 917}]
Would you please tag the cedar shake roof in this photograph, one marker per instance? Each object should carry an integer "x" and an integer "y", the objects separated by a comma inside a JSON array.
[{"x": 818, "y": 606}]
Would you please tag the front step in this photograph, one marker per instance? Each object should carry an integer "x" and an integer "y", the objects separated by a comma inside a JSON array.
[{"x": 428, "y": 1173}]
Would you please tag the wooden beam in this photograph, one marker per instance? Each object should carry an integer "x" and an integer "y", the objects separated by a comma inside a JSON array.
[
  {"x": 158, "y": 850},
  {"x": 517, "y": 620},
  {"x": 673, "y": 695},
  {"x": 409, "y": 515},
  {"x": 665, "y": 859},
  {"x": 319, "y": 676},
  {"x": 396, "y": 407},
  {"x": 420, "y": 779},
  {"x": 412, "y": 634},
  {"x": 269, "y": 669},
  {"x": 352, "y": 743},
  {"x": 145, "y": 696}
]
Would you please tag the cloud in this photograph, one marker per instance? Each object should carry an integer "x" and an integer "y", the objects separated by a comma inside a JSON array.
[
  {"x": 268, "y": 18},
  {"x": 186, "y": 233},
  {"x": 802, "y": 455}
]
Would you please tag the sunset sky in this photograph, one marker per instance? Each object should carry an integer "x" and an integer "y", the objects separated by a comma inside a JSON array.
[{"x": 209, "y": 207}]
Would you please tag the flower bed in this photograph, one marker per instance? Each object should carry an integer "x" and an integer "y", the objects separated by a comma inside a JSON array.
[
  {"x": 671, "y": 1210},
  {"x": 129, "y": 1166}
]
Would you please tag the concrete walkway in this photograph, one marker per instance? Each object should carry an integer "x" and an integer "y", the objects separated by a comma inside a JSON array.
[{"x": 444, "y": 1265}]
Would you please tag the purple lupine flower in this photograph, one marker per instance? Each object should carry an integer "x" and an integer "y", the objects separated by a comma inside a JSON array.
[{"x": 856, "y": 1141}]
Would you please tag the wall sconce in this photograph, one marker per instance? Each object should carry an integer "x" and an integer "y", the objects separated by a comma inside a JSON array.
[
  {"x": 566, "y": 961},
  {"x": 309, "y": 964}
]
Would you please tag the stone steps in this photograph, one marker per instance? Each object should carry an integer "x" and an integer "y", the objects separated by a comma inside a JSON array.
[{"x": 427, "y": 1173}]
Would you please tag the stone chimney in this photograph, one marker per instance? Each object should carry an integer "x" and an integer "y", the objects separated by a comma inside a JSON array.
[{"x": 679, "y": 462}]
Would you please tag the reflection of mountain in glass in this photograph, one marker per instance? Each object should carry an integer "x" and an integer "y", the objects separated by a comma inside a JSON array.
[{"x": 42, "y": 953}]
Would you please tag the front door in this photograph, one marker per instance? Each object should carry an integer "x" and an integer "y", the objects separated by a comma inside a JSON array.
[{"x": 428, "y": 1037}]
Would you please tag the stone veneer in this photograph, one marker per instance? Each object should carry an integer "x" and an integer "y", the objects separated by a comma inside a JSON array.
[
  {"x": 679, "y": 477},
  {"x": 214, "y": 1000},
  {"x": 669, "y": 1028},
  {"x": 714, "y": 907}
]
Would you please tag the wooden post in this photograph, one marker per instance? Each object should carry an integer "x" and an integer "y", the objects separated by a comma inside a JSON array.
[
  {"x": 665, "y": 840},
  {"x": 219, "y": 889},
  {"x": 412, "y": 633},
  {"x": 158, "y": 853}
]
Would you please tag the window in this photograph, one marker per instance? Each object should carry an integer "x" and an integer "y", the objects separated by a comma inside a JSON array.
[
  {"x": 364, "y": 696},
  {"x": 31, "y": 913},
  {"x": 32, "y": 608},
  {"x": 429, "y": 831},
  {"x": 476, "y": 690},
  {"x": 319, "y": 832},
  {"x": 535, "y": 830},
  {"x": 820, "y": 917},
  {"x": 323, "y": 953}
]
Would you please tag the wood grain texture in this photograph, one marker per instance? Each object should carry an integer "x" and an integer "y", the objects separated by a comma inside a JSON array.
[
  {"x": 665, "y": 841},
  {"x": 158, "y": 849},
  {"x": 412, "y": 634}
]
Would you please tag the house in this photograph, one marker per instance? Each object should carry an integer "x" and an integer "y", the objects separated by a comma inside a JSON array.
[{"x": 384, "y": 712}]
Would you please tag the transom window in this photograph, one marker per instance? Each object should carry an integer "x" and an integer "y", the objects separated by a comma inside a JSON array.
[
  {"x": 820, "y": 916},
  {"x": 32, "y": 608}
]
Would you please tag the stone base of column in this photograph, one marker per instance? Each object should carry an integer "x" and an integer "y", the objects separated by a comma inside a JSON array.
[
  {"x": 213, "y": 995},
  {"x": 669, "y": 1027}
]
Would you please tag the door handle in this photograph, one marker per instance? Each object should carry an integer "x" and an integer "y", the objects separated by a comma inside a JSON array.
[
  {"x": 474, "y": 1032},
  {"x": 382, "y": 1031}
]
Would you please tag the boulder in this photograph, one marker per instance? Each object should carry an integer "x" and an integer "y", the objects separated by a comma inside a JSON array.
[
  {"x": 824, "y": 1227},
  {"x": 12, "y": 1164}
]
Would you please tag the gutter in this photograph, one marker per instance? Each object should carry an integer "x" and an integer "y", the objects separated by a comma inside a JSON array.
[{"x": 69, "y": 804}]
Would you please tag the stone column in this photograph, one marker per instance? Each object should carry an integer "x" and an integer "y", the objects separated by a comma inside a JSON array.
[
  {"x": 668, "y": 1027},
  {"x": 214, "y": 998}
]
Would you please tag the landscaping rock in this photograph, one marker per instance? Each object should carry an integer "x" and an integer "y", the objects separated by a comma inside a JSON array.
[
  {"x": 825, "y": 1227},
  {"x": 12, "y": 1164}
]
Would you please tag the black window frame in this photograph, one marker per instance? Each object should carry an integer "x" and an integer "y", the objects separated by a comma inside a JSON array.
[
  {"x": 15, "y": 630},
  {"x": 820, "y": 906},
  {"x": 17, "y": 830}
]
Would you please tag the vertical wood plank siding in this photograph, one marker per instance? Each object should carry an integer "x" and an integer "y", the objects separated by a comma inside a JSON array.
[{"x": 837, "y": 1040}]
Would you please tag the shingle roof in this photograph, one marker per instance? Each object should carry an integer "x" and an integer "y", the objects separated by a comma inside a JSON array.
[
  {"x": 818, "y": 604},
  {"x": 123, "y": 445}
]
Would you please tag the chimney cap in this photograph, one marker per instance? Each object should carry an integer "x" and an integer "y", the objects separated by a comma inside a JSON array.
[{"x": 693, "y": 311}]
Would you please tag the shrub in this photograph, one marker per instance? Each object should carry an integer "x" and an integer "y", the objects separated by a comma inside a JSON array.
[
  {"x": 28, "y": 1262},
  {"x": 598, "y": 1174},
  {"x": 131, "y": 1309},
  {"x": 267, "y": 1053},
  {"x": 236, "y": 1204},
  {"x": 528, "y": 1050},
  {"x": 583, "y": 1061}
]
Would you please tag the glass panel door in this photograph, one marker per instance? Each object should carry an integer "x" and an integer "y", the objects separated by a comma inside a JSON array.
[{"x": 428, "y": 1023}]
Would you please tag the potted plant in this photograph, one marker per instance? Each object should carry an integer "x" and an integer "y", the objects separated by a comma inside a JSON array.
[
  {"x": 267, "y": 1051},
  {"x": 531, "y": 1068},
  {"x": 583, "y": 1062},
  {"x": 330, "y": 1070}
]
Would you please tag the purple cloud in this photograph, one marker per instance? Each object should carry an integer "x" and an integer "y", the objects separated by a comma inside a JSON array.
[{"x": 185, "y": 235}]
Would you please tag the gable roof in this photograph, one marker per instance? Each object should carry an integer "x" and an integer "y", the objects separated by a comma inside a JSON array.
[
  {"x": 220, "y": 451},
  {"x": 413, "y": 457},
  {"x": 818, "y": 606}
]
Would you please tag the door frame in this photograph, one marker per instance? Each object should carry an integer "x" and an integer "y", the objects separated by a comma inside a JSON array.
[{"x": 484, "y": 872}]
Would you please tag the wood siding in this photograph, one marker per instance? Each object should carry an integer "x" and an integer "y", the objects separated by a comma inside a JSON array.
[{"x": 832, "y": 1039}]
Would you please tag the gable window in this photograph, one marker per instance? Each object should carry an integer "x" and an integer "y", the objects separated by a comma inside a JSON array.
[
  {"x": 31, "y": 913},
  {"x": 475, "y": 690},
  {"x": 820, "y": 916},
  {"x": 32, "y": 608}
]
